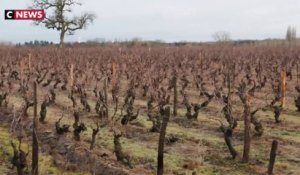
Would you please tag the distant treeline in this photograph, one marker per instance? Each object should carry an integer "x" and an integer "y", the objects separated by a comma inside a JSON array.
[
  {"x": 37, "y": 43},
  {"x": 137, "y": 42}
]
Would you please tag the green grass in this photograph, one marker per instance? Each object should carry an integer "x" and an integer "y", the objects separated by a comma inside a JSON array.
[
  {"x": 144, "y": 151},
  {"x": 45, "y": 161}
]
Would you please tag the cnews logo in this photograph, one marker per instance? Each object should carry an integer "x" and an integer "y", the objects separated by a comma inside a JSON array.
[{"x": 24, "y": 14}]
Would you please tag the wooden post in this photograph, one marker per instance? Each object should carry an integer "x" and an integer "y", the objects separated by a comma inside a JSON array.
[
  {"x": 35, "y": 144},
  {"x": 29, "y": 63},
  {"x": 161, "y": 143},
  {"x": 113, "y": 67},
  {"x": 35, "y": 121},
  {"x": 22, "y": 73},
  {"x": 200, "y": 59},
  {"x": 297, "y": 76},
  {"x": 71, "y": 77},
  {"x": 272, "y": 157},
  {"x": 283, "y": 87}
]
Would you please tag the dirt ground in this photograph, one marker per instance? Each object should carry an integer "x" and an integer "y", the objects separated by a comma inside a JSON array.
[{"x": 191, "y": 146}]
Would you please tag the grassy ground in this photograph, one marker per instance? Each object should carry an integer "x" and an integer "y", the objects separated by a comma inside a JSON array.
[
  {"x": 45, "y": 161},
  {"x": 200, "y": 148}
]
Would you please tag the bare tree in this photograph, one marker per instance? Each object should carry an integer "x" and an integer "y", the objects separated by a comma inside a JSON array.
[
  {"x": 57, "y": 18},
  {"x": 291, "y": 34},
  {"x": 221, "y": 36}
]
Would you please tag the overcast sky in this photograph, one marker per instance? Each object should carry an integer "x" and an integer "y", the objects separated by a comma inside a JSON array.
[{"x": 168, "y": 20}]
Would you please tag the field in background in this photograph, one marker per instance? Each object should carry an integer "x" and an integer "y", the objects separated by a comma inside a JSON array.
[{"x": 191, "y": 146}]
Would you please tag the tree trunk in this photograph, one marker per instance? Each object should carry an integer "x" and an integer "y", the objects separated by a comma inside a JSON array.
[
  {"x": 228, "y": 141},
  {"x": 106, "y": 97},
  {"x": 118, "y": 151},
  {"x": 113, "y": 82},
  {"x": 62, "y": 39},
  {"x": 175, "y": 96},
  {"x": 2, "y": 98},
  {"x": 272, "y": 157},
  {"x": 297, "y": 103},
  {"x": 19, "y": 159},
  {"x": 283, "y": 87},
  {"x": 95, "y": 132},
  {"x": 160, "y": 156},
  {"x": 93, "y": 142},
  {"x": 247, "y": 136}
]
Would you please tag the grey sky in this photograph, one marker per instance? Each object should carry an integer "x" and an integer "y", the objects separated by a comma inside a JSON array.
[{"x": 168, "y": 20}]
